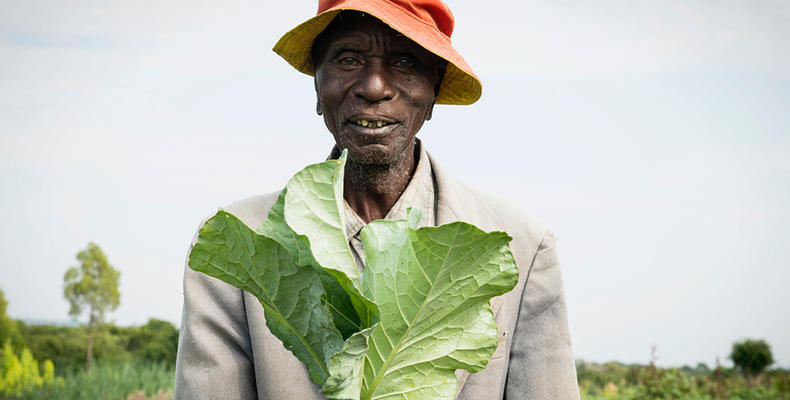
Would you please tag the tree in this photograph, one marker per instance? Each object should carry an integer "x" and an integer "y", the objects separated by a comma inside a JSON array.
[
  {"x": 92, "y": 285},
  {"x": 751, "y": 357},
  {"x": 8, "y": 328}
]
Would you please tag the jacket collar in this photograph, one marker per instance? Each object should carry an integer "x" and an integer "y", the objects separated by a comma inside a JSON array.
[{"x": 456, "y": 202}]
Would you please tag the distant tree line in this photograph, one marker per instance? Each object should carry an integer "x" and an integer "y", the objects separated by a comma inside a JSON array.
[
  {"x": 66, "y": 346},
  {"x": 155, "y": 341},
  {"x": 91, "y": 287},
  {"x": 35, "y": 358},
  {"x": 32, "y": 355}
]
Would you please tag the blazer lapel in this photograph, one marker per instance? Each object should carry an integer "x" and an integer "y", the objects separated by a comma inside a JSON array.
[{"x": 455, "y": 202}]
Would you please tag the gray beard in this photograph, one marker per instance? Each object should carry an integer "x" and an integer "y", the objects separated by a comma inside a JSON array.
[{"x": 379, "y": 179}]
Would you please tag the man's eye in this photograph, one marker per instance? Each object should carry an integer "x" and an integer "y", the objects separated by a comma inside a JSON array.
[
  {"x": 347, "y": 61},
  {"x": 404, "y": 62}
]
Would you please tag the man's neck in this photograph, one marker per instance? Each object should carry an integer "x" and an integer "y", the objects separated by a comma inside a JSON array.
[{"x": 372, "y": 190}]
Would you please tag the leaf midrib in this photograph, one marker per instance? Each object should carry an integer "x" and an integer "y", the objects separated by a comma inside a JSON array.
[
  {"x": 396, "y": 348},
  {"x": 285, "y": 321}
]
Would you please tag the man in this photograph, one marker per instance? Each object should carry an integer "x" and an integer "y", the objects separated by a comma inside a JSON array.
[{"x": 379, "y": 67}]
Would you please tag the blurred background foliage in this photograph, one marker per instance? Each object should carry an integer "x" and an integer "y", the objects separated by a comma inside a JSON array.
[
  {"x": 40, "y": 361},
  {"x": 138, "y": 363},
  {"x": 156, "y": 341},
  {"x": 614, "y": 380}
]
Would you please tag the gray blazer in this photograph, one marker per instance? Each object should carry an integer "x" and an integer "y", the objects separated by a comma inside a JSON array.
[{"x": 225, "y": 350}]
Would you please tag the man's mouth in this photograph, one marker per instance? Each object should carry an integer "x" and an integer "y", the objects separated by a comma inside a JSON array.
[{"x": 370, "y": 123}]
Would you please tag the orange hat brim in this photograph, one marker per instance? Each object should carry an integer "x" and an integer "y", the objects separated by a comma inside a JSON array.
[{"x": 460, "y": 85}]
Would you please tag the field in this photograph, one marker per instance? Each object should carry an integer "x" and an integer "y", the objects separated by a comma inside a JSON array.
[
  {"x": 138, "y": 363},
  {"x": 135, "y": 380},
  {"x": 618, "y": 381},
  {"x": 129, "y": 380}
]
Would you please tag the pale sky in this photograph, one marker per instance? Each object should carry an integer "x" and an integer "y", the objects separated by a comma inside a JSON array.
[{"x": 652, "y": 137}]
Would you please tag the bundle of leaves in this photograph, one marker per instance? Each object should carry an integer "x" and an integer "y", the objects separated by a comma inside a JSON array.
[{"x": 418, "y": 311}]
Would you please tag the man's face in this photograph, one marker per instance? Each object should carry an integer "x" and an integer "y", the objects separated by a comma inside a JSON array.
[{"x": 375, "y": 88}]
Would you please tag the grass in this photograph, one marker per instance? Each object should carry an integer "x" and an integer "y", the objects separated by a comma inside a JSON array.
[{"x": 113, "y": 381}]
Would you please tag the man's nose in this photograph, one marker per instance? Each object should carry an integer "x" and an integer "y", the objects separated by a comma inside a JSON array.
[{"x": 375, "y": 83}]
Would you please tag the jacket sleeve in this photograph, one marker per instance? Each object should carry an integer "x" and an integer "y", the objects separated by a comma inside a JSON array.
[
  {"x": 214, "y": 352},
  {"x": 541, "y": 362}
]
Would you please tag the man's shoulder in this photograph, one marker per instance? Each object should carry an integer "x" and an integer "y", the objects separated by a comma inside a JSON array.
[
  {"x": 508, "y": 212},
  {"x": 253, "y": 210},
  {"x": 526, "y": 229},
  {"x": 487, "y": 211}
]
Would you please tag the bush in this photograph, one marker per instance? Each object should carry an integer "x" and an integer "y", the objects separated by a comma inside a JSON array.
[
  {"x": 21, "y": 375},
  {"x": 66, "y": 346},
  {"x": 156, "y": 341},
  {"x": 113, "y": 381}
]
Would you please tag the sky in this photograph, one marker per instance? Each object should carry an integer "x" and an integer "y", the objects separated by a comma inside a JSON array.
[{"x": 652, "y": 137}]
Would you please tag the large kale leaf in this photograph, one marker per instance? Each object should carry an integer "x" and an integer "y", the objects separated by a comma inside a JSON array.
[
  {"x": 432, "y": 286},
  {"x": 419, "y": 311}
]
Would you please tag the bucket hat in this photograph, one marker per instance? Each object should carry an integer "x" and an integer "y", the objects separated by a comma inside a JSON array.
[{"x": 428, "y": 23}]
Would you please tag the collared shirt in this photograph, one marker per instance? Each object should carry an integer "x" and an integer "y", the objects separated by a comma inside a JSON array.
[{"x": 420, "y": 193}]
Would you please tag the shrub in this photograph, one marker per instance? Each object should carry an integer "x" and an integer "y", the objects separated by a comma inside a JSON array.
[
  {"x": 115, "y": 381},
  {"x": 21, "y": 375}
]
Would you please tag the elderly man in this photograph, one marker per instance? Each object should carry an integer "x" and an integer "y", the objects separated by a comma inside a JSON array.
[{"x": 379, "y": 67}]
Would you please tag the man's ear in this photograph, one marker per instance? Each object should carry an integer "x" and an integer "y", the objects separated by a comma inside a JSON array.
[
  {"x": 318, "y": 109},
  {"x": 439, "y": 70},
  {"x": 430, "y": 111}
]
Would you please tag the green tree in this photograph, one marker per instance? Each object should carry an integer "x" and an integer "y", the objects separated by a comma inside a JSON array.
[
  {"x": 92, "y": 285},
  {"x": 751, "y": 357},
  {"x": 8, "y": 328}
]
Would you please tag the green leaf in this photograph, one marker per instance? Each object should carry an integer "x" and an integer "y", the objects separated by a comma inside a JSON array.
[
  {"x": 345, "y": 381},
  {"x": 418, "y": 312},
  {"x": 291, "y": 294},
  {"x": 346, "y": 318},
  {"x": 314, "y": 208},
  {"x": 308, "y": 220},
  {"x": 413, "y": 217},
  {"x": 433, "y": 287}
]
